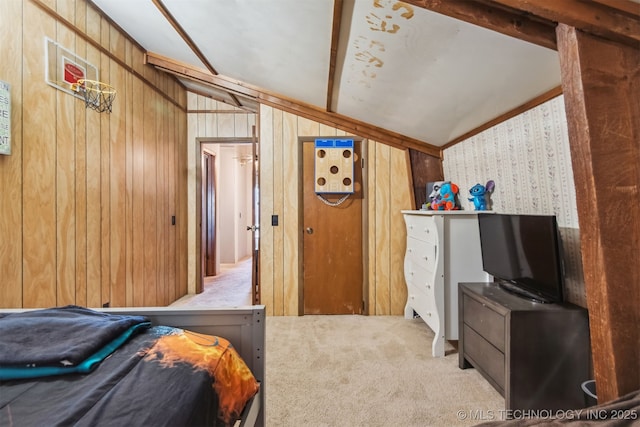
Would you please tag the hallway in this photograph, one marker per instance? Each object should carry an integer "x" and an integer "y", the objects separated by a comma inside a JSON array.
[{"x": 230, "y": 288}]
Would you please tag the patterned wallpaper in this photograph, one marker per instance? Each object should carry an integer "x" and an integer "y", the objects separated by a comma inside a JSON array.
[{"x": 528, "y": 158}]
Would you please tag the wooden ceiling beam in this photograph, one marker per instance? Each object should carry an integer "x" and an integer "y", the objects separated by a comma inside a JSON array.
[
  {"x": 627, "y": 6},
  {"x": 540, "y": 99},
  {"x": 592, "y": 17},
  {"x": 350, "y": 125},
  {"x": 183, "y": 34},
  {"x": 191, "y": 43},
  {"x": 320, "y": 115},
  {"x": 333, "y": 55},
  {"x": 484, "y": 14},
  {"x": 600, "y": 81},
  {"x": 203, "y": 76}
]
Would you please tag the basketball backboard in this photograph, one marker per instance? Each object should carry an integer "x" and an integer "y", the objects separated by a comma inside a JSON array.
[{"x": 64, "y": 68}]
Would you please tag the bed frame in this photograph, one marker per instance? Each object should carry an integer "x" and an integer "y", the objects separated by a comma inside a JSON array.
[{"x": 244, "y": 327}]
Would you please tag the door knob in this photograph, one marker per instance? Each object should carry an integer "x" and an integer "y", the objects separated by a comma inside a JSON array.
[{"x": 309, "y": 230}]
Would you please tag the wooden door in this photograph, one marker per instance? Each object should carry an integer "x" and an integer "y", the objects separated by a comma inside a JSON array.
[
  {"x": 209, "y": 214},
  {"x": 332, "y": 244},
  {"x": 255, "y": 250}
]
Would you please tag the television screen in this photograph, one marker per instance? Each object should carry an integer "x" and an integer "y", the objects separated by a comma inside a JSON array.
[{"x": 523, "y": 254}]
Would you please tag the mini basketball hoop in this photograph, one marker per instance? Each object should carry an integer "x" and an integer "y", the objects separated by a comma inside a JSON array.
[{"x": 97, "y": 95}]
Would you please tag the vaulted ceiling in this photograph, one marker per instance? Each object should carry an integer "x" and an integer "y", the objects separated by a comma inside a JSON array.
[{"x": 419, "y": 73}]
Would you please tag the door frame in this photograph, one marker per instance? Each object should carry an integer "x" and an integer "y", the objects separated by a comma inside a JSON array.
[
  {"x": 205, "y": 195},
  {"x": 365, "y": 217},
  {"x": 199, "y": 146}
]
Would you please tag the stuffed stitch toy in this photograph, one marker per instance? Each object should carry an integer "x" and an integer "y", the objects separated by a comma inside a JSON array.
[{"x": 480, "y": 193}]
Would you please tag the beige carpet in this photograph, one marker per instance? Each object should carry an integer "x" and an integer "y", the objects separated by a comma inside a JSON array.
[
  {"x": 367, "y": 371},
  {"x": 230, "y": 288},
  {"x": 355, "y": 370}
]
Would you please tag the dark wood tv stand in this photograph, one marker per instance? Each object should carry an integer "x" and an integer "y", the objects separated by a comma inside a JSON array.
[{"x": 536, "y": 355}]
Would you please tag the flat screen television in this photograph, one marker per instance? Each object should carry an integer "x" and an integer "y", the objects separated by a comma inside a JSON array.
[{"x": 524, "y": 254}]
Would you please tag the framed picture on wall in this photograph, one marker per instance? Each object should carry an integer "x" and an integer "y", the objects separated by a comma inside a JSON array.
[{"x": 5, "y": 118}]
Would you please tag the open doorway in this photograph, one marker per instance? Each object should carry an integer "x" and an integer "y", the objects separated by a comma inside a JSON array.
[{"x": 227, "y": 214}]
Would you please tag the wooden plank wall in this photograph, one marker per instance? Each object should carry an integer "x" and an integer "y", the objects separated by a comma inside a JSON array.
[
  {"x": 388, "y": 191},
  {"x": 87, "y": 198}
]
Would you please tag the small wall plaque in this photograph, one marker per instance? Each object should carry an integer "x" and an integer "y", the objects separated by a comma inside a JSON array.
[{"x": 5, "y": 118}]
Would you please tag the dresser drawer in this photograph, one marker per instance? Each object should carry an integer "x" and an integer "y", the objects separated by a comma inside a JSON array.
[
  {"x": 422, "y": 253},
  {"x": 484, "y": 357},
  {"x": 421, "y": 227},
  {"x": 418, "y": 276},
  {"x": 422, "y": 304},
  {"x": 484, "y": 321}
]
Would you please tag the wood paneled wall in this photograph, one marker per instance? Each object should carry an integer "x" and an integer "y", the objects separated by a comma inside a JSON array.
[
  {"x": 86, "y": 199},
  {"x": 387, "y": 192}
]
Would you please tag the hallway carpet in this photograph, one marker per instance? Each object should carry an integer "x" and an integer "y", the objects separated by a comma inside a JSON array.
[{"x": 230, "y": 288}]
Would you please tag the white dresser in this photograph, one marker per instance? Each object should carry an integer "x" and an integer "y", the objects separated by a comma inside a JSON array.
[{"x": 443, "y": 249}]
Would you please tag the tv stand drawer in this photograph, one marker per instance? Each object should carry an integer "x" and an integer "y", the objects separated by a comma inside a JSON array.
[
  {"x": 546, "y": 350},
  {"x": 484, "y": 357},
  {"x": 484, "y": 321}
]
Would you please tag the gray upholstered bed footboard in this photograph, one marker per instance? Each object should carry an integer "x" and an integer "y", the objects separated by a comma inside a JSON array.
[{"x": 244, "y": 327}]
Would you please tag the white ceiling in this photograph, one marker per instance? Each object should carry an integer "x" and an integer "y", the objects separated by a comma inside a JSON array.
[{"x": 398, "y": 67}]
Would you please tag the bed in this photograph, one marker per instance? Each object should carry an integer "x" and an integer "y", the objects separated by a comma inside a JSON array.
[{"x": 161, "y": 366}]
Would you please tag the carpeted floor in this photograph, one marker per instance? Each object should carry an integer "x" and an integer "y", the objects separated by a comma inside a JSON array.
[
  {"x": 230, "y": 288},
  {"x": 368, "y": 371},
  {"x": 350, "y": 371}
]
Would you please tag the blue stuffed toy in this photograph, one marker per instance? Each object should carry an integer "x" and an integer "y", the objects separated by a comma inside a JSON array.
[
  {"x": 447, "y": 198},
  {"x": 480, "y": 194}
]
